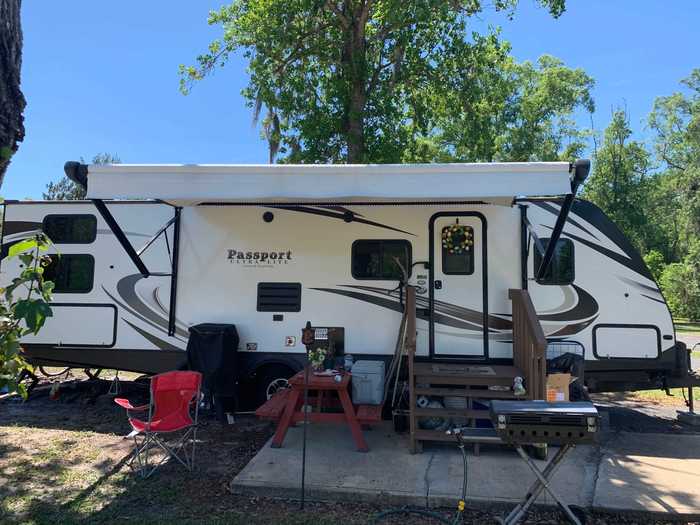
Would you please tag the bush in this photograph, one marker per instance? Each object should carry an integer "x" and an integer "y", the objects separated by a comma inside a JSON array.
[
  {"x": 656, "y": 263},
  {"x": 680, "y": 283}
]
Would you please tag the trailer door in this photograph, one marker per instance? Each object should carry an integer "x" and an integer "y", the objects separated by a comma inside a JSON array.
[{"x": 458, "y": 295}]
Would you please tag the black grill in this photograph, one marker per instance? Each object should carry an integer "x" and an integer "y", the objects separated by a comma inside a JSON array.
[{"x": 526, "y": 422}]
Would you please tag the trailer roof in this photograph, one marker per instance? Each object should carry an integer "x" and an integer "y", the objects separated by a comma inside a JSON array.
[{"x": 195, "y": 184}]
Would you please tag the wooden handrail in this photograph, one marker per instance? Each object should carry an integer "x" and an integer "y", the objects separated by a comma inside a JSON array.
[
  {"x": 529, "y": 344},
  {"x": 410, "y": 313},
  {"x": 410, "y": 346},
  {"x": 522, "y": 298}
]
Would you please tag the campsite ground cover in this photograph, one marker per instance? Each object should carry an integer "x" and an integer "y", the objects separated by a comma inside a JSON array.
[
  {"x": 687, "y": 326},
  {"x": 63, "y": 461}
]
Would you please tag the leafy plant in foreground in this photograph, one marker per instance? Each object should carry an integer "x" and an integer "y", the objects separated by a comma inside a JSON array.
[{"x": 24, "y": 308}]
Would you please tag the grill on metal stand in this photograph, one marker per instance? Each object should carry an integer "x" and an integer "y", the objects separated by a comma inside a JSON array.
[{"x": 566, "y": 424}]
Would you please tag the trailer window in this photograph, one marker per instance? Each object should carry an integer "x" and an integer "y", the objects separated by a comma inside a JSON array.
[
  {"x": 457, "y": 250},
  {"x": 71, "y": 273},
  {"x": 70, "y": 229},
  {"x": 561, "y": 269},
  {"x": 375, "y": 259}
]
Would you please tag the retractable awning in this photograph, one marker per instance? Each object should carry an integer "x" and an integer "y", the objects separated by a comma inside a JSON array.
[{"x": 191, "y": 185}]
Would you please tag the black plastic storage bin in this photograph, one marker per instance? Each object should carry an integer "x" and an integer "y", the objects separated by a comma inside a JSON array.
[{"x": 212, "y": 350}]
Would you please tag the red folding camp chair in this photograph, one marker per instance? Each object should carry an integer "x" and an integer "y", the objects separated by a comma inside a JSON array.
[{"x": 173, "y": 395}]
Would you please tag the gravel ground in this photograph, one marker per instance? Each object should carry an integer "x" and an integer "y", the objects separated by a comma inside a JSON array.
[{"x": 63, "y": 461}]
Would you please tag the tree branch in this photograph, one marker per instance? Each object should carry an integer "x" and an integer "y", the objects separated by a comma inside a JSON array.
[{"x": 344, "y": 20}]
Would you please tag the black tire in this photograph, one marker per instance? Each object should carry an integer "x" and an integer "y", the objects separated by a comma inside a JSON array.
[
  {"x": 53, "y": 374},
  {"x": 269, "y": 380}
]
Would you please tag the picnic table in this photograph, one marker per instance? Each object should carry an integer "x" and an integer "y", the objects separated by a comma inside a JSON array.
[{"x": 287, "y": 407}]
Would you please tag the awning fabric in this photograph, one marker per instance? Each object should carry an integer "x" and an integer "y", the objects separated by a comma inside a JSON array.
[{"x": 188, "y": 184}]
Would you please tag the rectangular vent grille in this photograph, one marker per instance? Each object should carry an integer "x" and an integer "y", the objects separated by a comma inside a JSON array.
[
  {"x": 279, "y": 297},
  {"x": 537, "y": 419}
]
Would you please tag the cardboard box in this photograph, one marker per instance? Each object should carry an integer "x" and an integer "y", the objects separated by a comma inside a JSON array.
[{"x": 558, "y": 387}]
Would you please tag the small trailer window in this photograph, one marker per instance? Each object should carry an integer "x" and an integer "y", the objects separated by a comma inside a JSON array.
[
  {"x": 561, "y": 269},
  {"x": 374, "y": 259},
  {"x": 457, "y": 250},
  {"x": 71, "y": 273},
  {"x": 70, "y": 229}
]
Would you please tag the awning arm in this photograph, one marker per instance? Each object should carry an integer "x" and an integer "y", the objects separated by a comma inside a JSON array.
[
  {"x": 531, "y": 229},
  {"x": 153, "y": 239},
  {"x": 580, "y": 169},
  {"x": 121, "y": 236}
]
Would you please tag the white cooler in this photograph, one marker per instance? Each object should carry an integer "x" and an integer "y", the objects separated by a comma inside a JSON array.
[{"x": 368, "y": 382}]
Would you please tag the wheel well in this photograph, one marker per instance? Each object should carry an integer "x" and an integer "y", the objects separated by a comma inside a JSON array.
[{"x": 264, "y": 368}]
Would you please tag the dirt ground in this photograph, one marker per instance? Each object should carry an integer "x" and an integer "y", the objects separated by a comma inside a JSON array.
[{"x": 64, "y": 461}]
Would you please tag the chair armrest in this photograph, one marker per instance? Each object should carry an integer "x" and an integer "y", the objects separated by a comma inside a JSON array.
[{"x": 125, "y": 404}]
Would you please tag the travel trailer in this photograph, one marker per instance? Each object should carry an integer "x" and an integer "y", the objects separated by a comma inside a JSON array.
[{"x": 158, "y": 248}]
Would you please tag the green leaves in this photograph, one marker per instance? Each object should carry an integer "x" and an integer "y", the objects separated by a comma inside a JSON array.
[
  {"x": 33, "y": 312},
  {"x": 25, "y": 314},
  {"x": 349, "y": 81},
  {"x": 22, "y": 246}
]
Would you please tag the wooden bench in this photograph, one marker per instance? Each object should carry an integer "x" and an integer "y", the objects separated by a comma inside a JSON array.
[
  {"x": 273, "y": 408},
  {"x": 369, "y": 414}
]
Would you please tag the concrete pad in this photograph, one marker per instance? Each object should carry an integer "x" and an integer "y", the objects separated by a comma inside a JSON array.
[
  {"x": 499, "y": 475},
  {"x": 650, "y": 472},
  {"x": 390, "y": 474}
]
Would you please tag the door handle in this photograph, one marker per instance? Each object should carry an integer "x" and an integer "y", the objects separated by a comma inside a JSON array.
[{"x": 438, "y": 285}]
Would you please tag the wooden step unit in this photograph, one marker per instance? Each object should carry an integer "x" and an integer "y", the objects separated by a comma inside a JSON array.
[
  {"x": 476, "y": 383},
  {"x": 472, "y": 382}
]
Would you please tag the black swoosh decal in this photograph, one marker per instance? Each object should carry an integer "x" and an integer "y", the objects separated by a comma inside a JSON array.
[
  {"x": 12, "y": 227},
  {"x": 572, "y": 329},
  {"x": 551, "y": 209},
  {"x": 395, "y": 305},
  {"x": 654, "y": 299},
  {"x": 441, "y": 307},
  {"x": 341, "y": 216},
  {"x": 640, "y": 285},
  {"x": 587, "y": 306},
  {"x": 5, "y": 249},
  {"x": 448, "y": 314},
  {"x": 126, "y": 287},
  {"x": 636, "y": 265},
  {"x": 163, "y": 345},
  {"x": 132, "y": 312}
]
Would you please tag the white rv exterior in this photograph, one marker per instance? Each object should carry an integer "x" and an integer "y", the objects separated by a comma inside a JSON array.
[{"x": 267, "y": 248}]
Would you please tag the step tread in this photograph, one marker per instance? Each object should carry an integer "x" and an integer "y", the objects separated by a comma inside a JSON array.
[
  {"x": 466, "y": 370},
  {"x": 474, "y": 435},
  {"x": 482, "y": 393},
  {"x": 452, "y": 412},
  {"x": 465, "y": 381}
]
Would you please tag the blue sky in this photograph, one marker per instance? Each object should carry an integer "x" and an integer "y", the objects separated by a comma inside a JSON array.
[{"x": 102, "y": 76}]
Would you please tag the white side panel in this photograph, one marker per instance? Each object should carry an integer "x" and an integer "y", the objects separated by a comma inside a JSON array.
[
  {"x": 609, "y": 288},
  {"x": 626, "y": 341},
  {"x": 142, "y": 304},
  {"x": 78, "y": 325}
]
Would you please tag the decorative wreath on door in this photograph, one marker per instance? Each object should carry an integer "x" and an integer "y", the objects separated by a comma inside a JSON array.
[{"x": 457, "y": 239}]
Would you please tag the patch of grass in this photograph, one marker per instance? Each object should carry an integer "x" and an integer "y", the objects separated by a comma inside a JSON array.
[
  {"x": 659, "y": 396},
  {"x": 687, "y": 326}
]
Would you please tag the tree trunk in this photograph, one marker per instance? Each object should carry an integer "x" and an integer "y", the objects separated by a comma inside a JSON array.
[
  {"x": 355, "y": 67},
  {"x": 12, "y": 101}
]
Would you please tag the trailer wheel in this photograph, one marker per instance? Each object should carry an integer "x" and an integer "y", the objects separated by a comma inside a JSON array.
[
  {"x": 46, "y": 373},
  {"x": 271, "y": 380}
]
